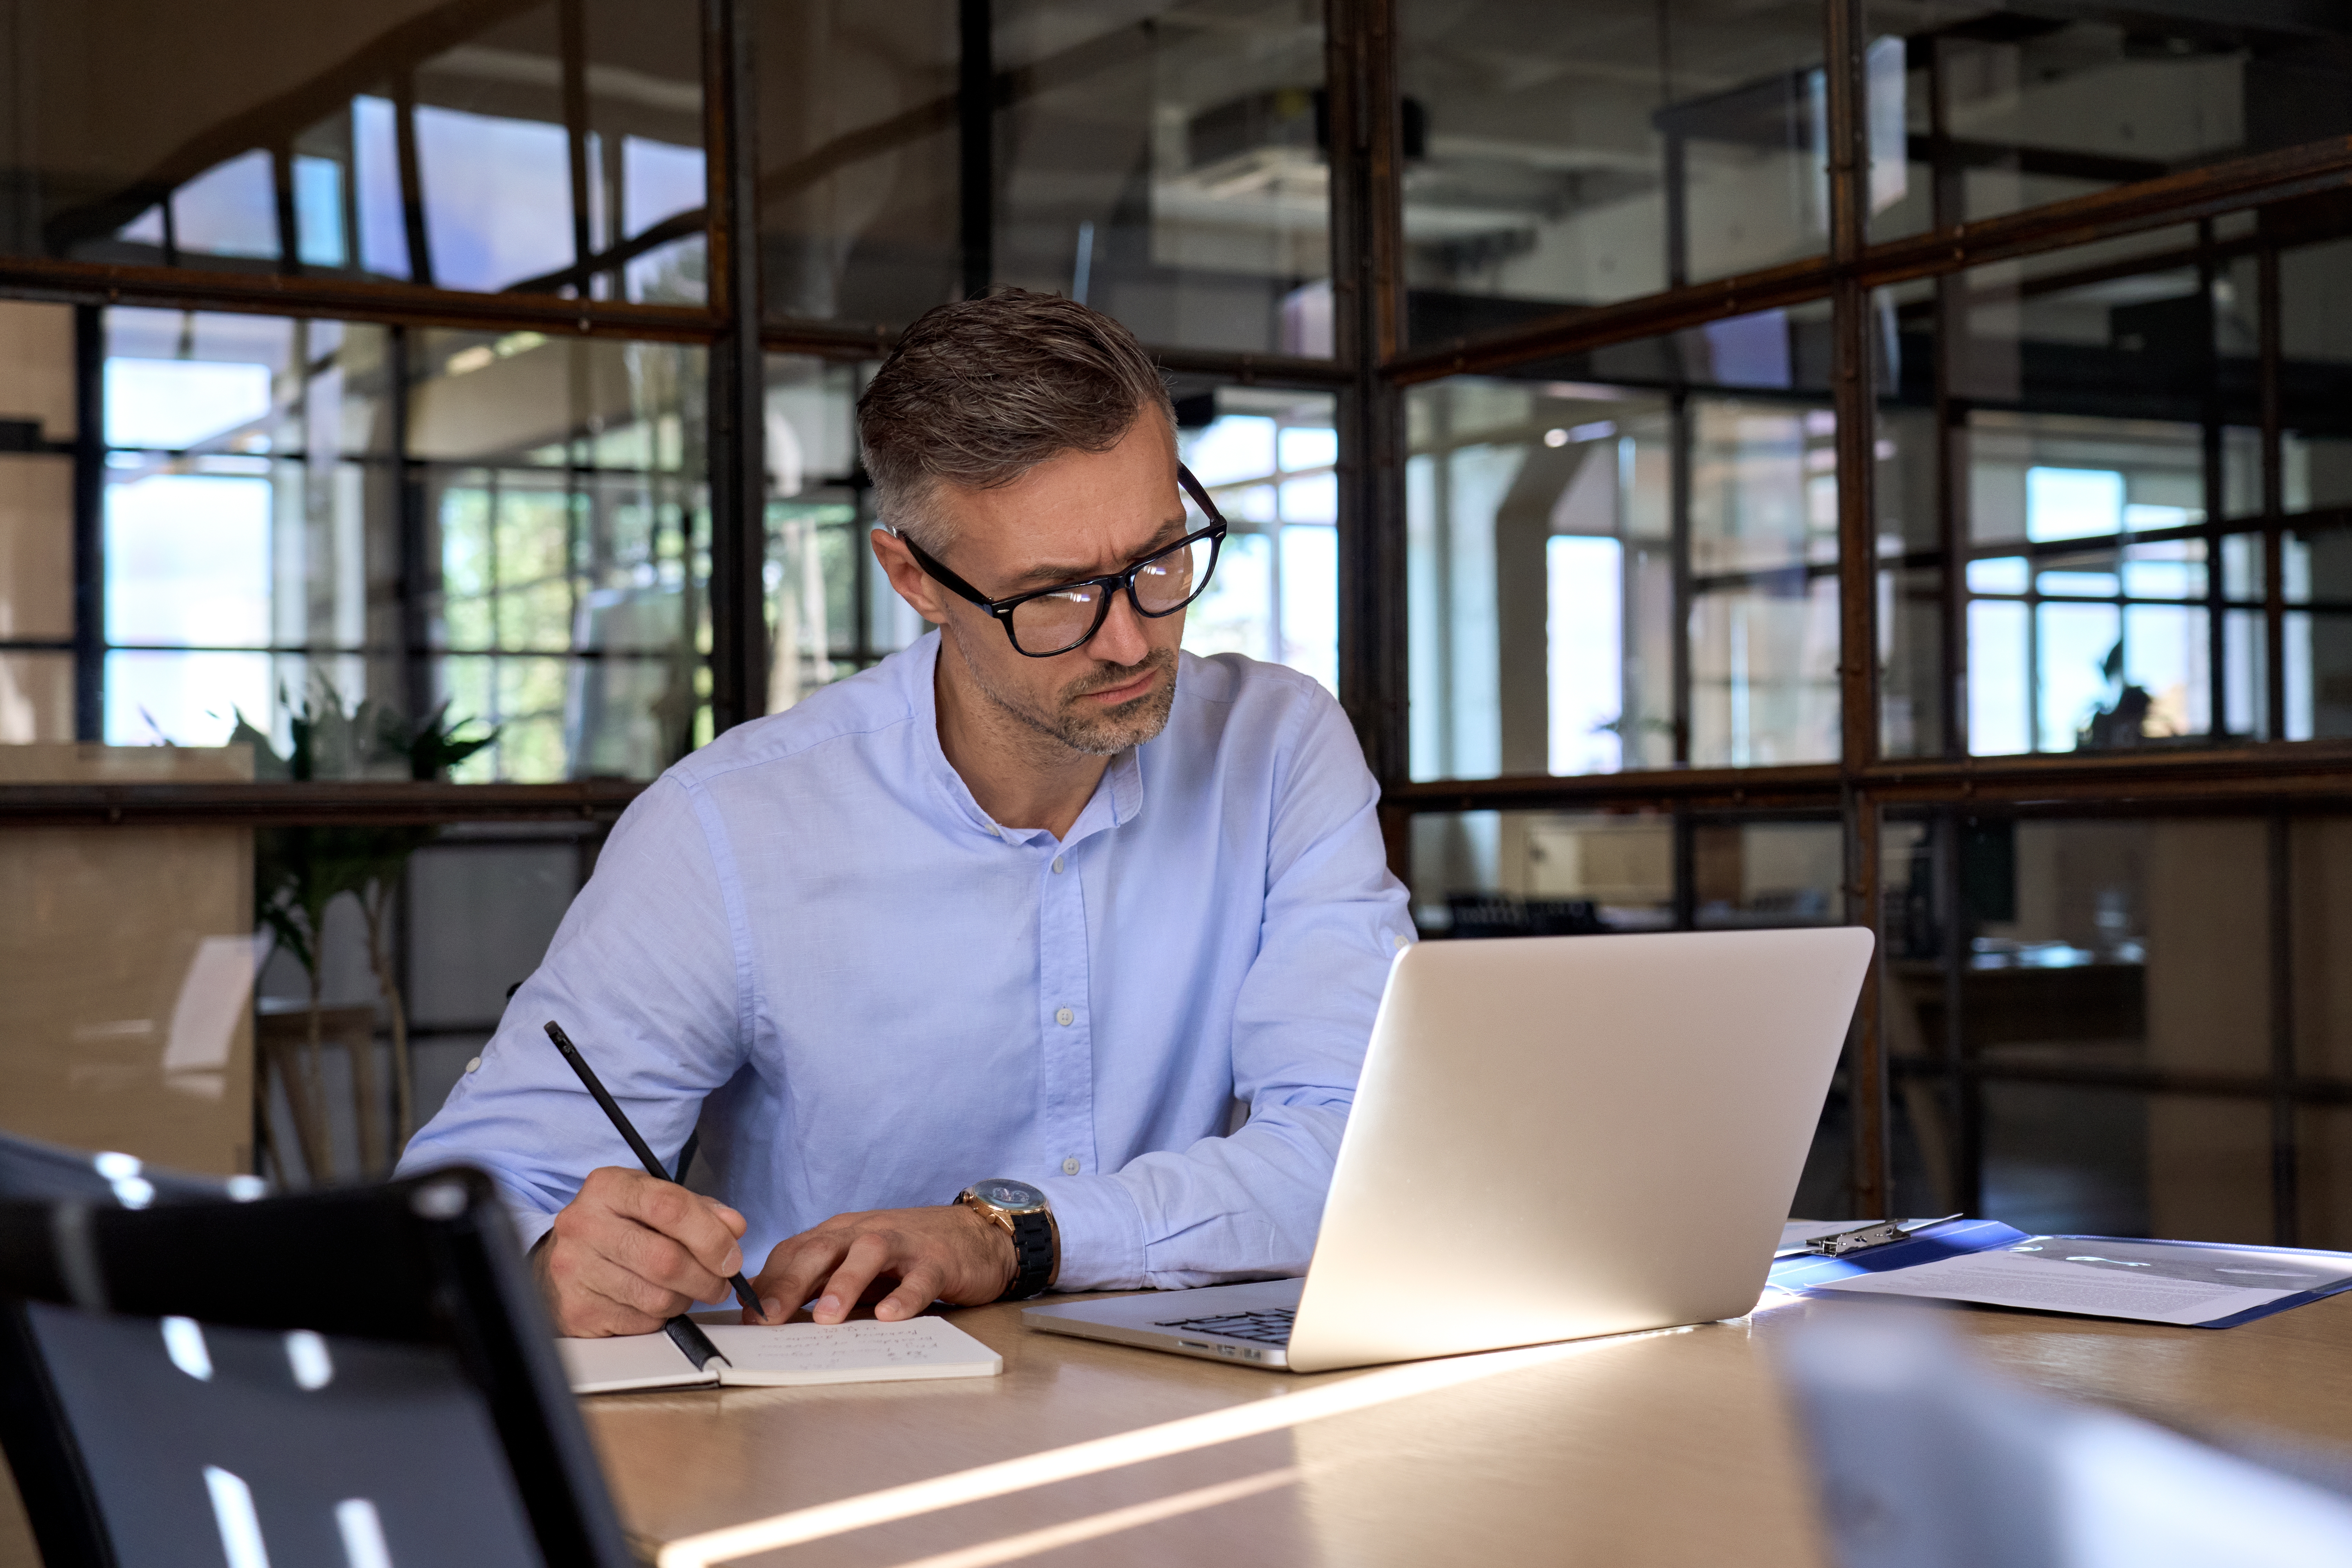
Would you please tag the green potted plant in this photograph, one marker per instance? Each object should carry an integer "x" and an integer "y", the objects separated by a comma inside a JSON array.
[{"x": 300, "y": 871}]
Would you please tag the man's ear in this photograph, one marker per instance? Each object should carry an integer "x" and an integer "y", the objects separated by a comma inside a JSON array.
[{"x": 914, "y": 585}]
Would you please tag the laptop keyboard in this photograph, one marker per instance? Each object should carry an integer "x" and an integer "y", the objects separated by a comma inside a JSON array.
[{"x": 1271, "y": 1327}]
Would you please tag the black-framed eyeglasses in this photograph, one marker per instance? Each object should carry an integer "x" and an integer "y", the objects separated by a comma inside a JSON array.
[{"x": 1048, "y": 621}]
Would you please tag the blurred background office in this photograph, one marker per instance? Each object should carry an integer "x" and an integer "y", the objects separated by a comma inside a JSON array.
[{"x": 1739, "y": 462}]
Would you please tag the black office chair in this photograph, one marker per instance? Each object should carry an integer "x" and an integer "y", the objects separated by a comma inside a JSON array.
[{"x": 358, "y": 1377}]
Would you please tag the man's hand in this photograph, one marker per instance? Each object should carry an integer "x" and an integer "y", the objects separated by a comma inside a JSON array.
[
  {"x": 947, "y": 1254},
  {"x": 630, "y": 1253}
]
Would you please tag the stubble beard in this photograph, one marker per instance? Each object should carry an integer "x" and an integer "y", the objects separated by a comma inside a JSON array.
[{"x": 1088, "y": 728}]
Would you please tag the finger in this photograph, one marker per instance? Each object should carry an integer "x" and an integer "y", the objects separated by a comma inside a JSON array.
[
  {"x": 920, "y": 1287},
  {"x": 796, "y": 1267},
  {"x": 688, "y": 1218},
  {"x": 593, "y": 1295},
  {"x": 606, "y": 1278},
  {"x": 868, "y": 1256},
  {"x": 653, "y": 1257}
]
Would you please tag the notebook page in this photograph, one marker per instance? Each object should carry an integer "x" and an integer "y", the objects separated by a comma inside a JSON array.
[
  {"x": 866, "y": 1351},
  {"x": 629, "y": 1361}
]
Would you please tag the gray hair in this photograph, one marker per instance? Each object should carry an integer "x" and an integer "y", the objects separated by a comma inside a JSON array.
[{"x": 979, "y": 392}]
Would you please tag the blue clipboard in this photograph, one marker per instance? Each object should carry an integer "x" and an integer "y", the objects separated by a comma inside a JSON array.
[{"x": 1957, "y": 1238}]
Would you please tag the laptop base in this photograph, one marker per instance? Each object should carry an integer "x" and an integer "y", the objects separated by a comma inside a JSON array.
[{"x": 1170, "y": 1320}]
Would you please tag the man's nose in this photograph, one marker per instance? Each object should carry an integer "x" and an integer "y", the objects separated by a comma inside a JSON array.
[{"x": 1121, "y": 640}]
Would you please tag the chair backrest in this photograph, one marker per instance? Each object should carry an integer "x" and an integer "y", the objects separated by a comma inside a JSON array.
[{"x": 361, "y": 1376}]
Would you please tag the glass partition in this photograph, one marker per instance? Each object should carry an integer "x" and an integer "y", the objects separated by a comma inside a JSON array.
[
  {"x": 1560, "y": 155},
  {"x": 555, "y": 148},
  {"x": 1559, "y": 531},
  {"x": 1541, "y": 873},
  {"x": 2090, "y": 963},
  {"x": 2079, "y": 419},
  {"x": 2007, "y": 107},
  {"x": 1571, "y": 873},
  {"x": 316, "y": 523},
  {"x": 1269, "y": 459},
  {"x": 1163, "y": 163},
  {"x": 859, "y": 150},
  {"x": 1166, "y": 164}
]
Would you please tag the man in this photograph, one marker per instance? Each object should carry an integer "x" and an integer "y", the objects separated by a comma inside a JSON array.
[{"x": 1038, "y": 898}]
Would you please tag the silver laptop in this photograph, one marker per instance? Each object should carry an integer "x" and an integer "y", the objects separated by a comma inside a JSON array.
[{"x": 1553, "y": 1137}]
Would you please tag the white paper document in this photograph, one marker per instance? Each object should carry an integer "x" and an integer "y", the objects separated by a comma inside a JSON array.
[
  {"x": 780, "y": 1355},
  {"x": 2098, "y": 1286}
]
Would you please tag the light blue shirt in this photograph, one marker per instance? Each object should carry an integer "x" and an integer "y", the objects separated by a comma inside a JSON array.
[{"x": 810, "y": 935}]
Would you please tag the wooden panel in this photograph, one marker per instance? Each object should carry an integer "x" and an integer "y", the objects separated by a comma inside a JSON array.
[{"x": 137, "y": 1034}]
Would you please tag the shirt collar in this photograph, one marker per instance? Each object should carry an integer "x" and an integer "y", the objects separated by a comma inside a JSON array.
[{"x": 1120, "y": 792}]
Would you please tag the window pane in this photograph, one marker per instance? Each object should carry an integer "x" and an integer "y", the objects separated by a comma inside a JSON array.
[
  {"x": 858, "y": 159},
  {"x": 1537, "y": 873},
  {"x": 186, "y": 155},
  {"x": 256, "y": 531},
  {"x": 2088, "y": 400},
  {"x": 1266, "y": 457},
  {"x": 1764, "y": 601},
  {"x": 2085, "y": 949},
  {"x": 1542, "y": 579},
  {"x": 1906, "y": 492},
  {"x": 1563, "y": 155},
  {"x": 1164, "y": 162},
  {"x": 1752, "y": 874},
  {"x": 2316, "y": 333},
  {"x": 2035, "y": 108},
  {"x": 831, "y": 611}
]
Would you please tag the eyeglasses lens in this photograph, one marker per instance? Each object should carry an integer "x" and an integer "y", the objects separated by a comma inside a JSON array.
[
  {"x": 1169, "y": 582},
  {"x": 1059, "y": 621},
  {"x": 1051, "y": 623}
]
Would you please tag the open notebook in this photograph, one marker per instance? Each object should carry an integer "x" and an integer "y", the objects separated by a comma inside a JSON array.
[{"x": 779, "y": 1355}]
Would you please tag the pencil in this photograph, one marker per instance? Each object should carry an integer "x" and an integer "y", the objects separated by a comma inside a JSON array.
[{"x": 644, "y": 1155}]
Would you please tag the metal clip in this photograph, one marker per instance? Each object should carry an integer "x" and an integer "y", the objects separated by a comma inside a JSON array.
[
  {"x": 1879, "y": 1234},
  {"x": 1847, "y": 1241}
]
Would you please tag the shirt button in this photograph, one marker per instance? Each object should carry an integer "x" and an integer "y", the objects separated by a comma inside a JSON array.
[
  {"x": 1070, "y": 1166},
  {"x": 995, "y": 831},
  {"x": 474, "y": 1066},
  {"x": 1399, "y": 943},
  {"x": 1062, "y": 1017},
  {"x": 1057, "y": 864}
]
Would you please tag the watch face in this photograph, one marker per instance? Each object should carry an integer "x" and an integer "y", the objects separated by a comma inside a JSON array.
[{"x": 1009, "y": 1194}]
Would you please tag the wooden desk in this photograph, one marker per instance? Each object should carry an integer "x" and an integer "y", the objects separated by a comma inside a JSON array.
[{"x": 1674, "y": 1449}]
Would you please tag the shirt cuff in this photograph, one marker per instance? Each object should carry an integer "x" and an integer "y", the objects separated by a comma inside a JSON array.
[{"x": 1102, "y": 1233}]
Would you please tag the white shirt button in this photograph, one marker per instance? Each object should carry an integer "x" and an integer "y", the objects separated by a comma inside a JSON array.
[
  {"x": 1062, "y": 1018},
  {"x": 1070, "y": 1166},
  {"x": 474, "y": 1066},
  {"x": 1400, "y": 942},
  {"x": 1057, "y": 864},
  {"x": 995, "y": 831}
]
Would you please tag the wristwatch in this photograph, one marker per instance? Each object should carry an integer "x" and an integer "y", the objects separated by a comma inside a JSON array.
[{"x": 1028, "y": 1218}]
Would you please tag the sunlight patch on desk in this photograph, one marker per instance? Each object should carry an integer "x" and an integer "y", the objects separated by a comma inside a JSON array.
[
  {"x": 1120, "y": 1450},
  {"x": 1094, "y": 1526}
]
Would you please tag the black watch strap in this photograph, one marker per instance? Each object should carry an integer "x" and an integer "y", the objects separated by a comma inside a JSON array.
[{"x": 1032, "y": 1254}]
